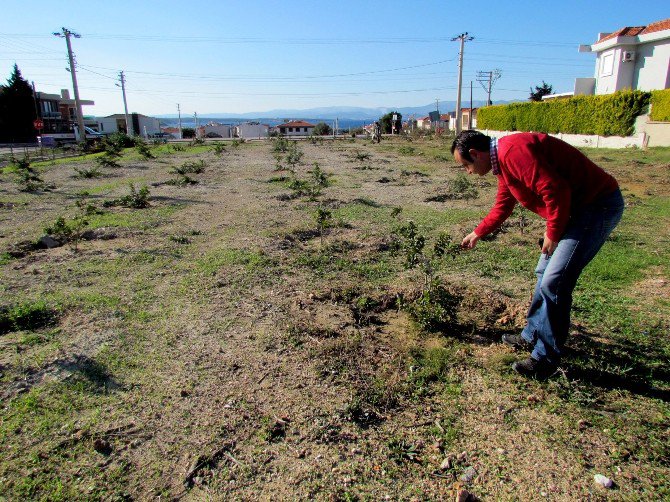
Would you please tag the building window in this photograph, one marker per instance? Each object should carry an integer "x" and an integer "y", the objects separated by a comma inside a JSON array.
[{"x": 607, "y": 65}]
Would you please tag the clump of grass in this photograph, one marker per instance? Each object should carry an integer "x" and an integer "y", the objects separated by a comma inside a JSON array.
[
  {"x": 178, "y": 148},
  {"x": 361, "y": 156},
  {"x": 192, "y": 167},
  {"x": 27, "y": 316},
  {"x": 91, "y": 172},
  {"x": 406, "y": 150},
  {"x": 402, "y": 450},
  {"x": 137, "y": 199}
]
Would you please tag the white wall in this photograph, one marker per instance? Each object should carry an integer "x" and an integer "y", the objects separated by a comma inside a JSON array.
[
  {"x": 252, "y": 131},
  {"x": 612, "y": 74},
  {"x": 652, "y": 66},
  {"x": 303, "y": 131},
  {"x": 221, "y": 129}
]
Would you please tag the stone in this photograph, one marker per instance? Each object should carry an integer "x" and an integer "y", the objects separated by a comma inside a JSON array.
[
  {"x": 468, "y": 475},
  {"x": 603, "y": 481},
  {"x": 447, "y": 463},
  {"x": 49, "y": 242},
  {"x": 465, "y": 496}
]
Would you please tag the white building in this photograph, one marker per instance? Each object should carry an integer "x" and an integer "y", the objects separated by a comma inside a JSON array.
[
  {"x": 221, "y": 130},
  {"x": 141, "y": 125},
  {"x": 250, "y": 130},
  {"x": 631, "y": 58},
  {"x": 296, "y": 128}
]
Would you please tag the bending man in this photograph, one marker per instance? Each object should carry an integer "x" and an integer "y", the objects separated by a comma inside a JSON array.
[{"x": 581, "y": 204}]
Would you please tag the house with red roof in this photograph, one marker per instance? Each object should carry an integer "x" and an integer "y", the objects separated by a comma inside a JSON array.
[
  {"x": 633, "y": 57},
  {"x": 295, "y": 128}
]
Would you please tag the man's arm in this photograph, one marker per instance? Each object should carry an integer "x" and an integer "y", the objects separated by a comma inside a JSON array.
[{"x": 502, "y": 208}]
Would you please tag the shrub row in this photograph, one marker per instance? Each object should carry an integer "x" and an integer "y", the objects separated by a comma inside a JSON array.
[
  {"x": 660, "y": 105},
  {"x": 605, "y": 115}
]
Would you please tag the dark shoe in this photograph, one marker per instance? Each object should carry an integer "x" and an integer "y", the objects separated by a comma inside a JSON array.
[
  {"x": 533, "y": 368},
  {"x": 517, "y": 342}
]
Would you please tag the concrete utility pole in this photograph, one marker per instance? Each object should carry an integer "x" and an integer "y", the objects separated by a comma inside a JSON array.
[
  {"x": 487, "y": 79},
  {"x": 80, "y": 117},
  {"x": 179, "y": 115},
  {"x": 129, "y": 128},
  {"x": 463, "y": 37},
  {"x": 470, "y": 114}
]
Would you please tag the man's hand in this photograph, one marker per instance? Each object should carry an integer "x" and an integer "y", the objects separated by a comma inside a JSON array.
[
  {"x": 470, "y": 241},
  {"x": 549, "y": 246}
]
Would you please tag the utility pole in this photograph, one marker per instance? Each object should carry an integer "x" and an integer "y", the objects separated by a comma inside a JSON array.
[
  {"x": 463, "y": 37},
  {"x": 129, "y": 129},
  {"x": 470, "y": 114},
  {"x": 80, "y": 117},
  {"x": 179, "y": 115},
  {"x": 487, "y": 79}
]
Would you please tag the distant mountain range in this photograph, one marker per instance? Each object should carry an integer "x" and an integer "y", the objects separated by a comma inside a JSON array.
[{"x": 339, "y": 112}]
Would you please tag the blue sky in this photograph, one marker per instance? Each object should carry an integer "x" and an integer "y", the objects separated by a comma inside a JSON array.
[{"x": 248, "y": 56}]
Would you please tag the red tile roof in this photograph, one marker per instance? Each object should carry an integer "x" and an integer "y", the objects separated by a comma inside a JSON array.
[
  {"x": 296, "y": 123},
  {"x": 633, "y": 31}
]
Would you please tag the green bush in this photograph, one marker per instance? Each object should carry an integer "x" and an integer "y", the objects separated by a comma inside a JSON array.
[
  {"x": 660, "y": 105},
  {"x": 606, "y": 115}
]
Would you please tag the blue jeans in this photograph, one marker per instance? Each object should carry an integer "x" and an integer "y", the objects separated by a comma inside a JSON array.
[{"x": 549, "y": 313}]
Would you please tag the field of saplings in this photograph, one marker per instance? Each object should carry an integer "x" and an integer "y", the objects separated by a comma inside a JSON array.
[{"x": 296, "y": 321}]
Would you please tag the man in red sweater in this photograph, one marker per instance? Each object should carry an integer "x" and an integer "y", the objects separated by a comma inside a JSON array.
[{"x": 581, "y": 204}]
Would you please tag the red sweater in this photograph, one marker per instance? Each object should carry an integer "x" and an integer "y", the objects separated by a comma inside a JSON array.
[{"x": 546, "y": 176}]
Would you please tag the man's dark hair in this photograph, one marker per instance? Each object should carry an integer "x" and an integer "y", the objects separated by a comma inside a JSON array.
[{"x": 470, "y": 139}]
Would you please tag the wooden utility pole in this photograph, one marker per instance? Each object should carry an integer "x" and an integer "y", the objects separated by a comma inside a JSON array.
[
  {"x": 463, "y": 37},
  {"x": 80, "y": 117}
]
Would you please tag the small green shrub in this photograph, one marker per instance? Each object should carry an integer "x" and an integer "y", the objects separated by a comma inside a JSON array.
[
  {"x": 407, "y": 240},
  {"x": 143, "y": 149},
  {"x": 69, "y": 230},
  {"x": 280, "y": 144},
  {"x": 92, "y": 172},
  {"x": 191, "y": 167},
  {"x": 219, "y": 148},
  {"x": 294, "y": 154},
  {"x": 137, "y": 199},
  {"x": 435, "y": 309},
  {"x": 26, "y": 177},
  {"x": 319, "y": 177},
  {"x": 461, "y": 187}
]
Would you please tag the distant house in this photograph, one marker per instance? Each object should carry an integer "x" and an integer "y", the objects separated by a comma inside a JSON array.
[
  {"x": 250, "y": 130},
  {"x": 633, "y": 57},
  {"x": 58, "y": 112},
  {"x": 216, "y": 130},
  {"x": 295, "y": 128},
  {"x": 465, "y": 117},
  {"x": 140, "y": 125},
  {"x": 423, "y": 123}
]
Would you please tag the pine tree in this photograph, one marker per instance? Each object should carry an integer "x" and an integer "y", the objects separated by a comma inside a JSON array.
[
  {"x": 17, "y": 110},
  {"x": 540, "y": 91}
]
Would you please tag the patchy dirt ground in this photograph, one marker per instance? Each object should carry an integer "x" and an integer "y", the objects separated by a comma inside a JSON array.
[{"x": 221, "y": 344}]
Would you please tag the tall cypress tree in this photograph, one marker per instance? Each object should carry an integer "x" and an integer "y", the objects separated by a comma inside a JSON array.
[{"x": 17, "y": 110}]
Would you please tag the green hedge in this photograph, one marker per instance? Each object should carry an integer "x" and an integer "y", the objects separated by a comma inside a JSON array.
[
  {"x": 660, "y": 105},
  {"x": 606, "y": 115}
]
